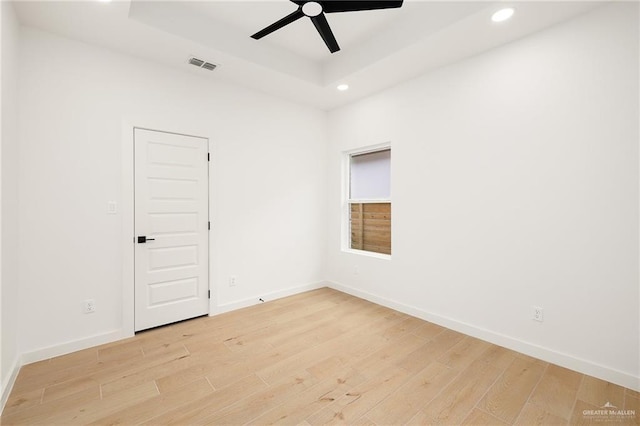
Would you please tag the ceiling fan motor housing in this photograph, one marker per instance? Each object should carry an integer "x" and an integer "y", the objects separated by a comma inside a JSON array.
[{"x": 312, "y": 8}]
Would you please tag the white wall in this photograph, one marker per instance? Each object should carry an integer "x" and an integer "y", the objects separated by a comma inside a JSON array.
[
  {"x": 9, "y": 198},
  {"x": 267, "y": 184},
  {"x": 514, "y": 183}
]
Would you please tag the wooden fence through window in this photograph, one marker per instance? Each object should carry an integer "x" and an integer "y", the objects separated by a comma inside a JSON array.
[{"x": 371, "y": 227}]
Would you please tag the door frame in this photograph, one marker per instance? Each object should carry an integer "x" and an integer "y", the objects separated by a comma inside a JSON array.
[{"x": 126, "y": 210}]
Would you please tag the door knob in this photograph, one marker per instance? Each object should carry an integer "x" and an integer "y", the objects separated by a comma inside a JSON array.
[{"x": 144, "y": 239}]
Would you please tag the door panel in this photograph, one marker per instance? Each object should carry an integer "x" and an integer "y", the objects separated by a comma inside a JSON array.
[
  {"x": 171, "y": 210},
  {"x": 172, "y": 257},
  {"x": 172, "y": 291}
]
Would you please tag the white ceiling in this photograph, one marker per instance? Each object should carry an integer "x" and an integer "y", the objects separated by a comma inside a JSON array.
[{"x": 378, "y": 48}]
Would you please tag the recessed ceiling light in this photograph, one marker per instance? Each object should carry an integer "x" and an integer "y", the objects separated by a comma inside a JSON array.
[
  {"x": 502, "y": 14},
  {"x": 104, "y": 1},
  {"x": 342, "y": 87}
]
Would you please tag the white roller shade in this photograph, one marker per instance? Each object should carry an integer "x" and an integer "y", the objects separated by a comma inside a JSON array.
[{"x": 371, "y": 176}]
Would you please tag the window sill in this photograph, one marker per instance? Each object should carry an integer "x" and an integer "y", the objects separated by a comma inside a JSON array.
[{"x": 368, "y": 254}]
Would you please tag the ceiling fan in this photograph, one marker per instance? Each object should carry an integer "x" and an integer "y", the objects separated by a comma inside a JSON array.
[{"x": 315, "y": 10}]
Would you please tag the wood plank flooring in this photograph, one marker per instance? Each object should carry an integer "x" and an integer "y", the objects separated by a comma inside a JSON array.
[{"x": 321, "y": 357}]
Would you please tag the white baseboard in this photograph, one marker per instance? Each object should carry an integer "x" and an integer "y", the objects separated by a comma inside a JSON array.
[
  {"x": 72, "y": 346},
  {"x": 232, "y": 306},
  {"x": 8, "y": 385},
  {"x": 112, "y": 336},
  {"x": 562, "y": 359}
]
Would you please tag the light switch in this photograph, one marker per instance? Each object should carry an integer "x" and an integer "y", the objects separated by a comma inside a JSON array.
[{"x": 112, "y": 207}]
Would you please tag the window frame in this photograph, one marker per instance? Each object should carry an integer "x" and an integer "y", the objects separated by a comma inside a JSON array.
[{"x": 347, "y": 200}]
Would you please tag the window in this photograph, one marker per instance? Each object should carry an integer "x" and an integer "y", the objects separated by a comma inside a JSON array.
[{"x": 369, "y": 200}]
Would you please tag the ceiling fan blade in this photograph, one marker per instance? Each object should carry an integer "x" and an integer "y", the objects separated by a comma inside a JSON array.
[
  {"x": 294, "y": 16},
  {"x": 331, "y": 6},
  {"x": 323, "y": 28},
  {"x": 299, "y": 2}
]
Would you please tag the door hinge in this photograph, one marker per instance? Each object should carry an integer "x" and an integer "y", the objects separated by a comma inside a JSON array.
[
  {"x": 209, "y": 225},
  {"x": 208, "y": 157},
  {"x": 209, "y": 294}
]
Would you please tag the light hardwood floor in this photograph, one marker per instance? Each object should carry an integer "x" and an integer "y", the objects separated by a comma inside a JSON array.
[{"x": 314, "y": 358}]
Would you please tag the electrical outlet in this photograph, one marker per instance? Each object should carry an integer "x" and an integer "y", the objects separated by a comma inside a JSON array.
[
  {"x": 538, "y": 314},
  {"x": 233, "y": 280},
  {"x": 89, "y": 306}
]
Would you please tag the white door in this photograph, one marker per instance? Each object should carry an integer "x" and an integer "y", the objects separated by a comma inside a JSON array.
[{"x": 171, "y": 228}]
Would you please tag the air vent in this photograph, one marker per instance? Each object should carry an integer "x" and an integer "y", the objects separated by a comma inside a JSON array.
[
  {"x": 202, "y": 64},
  {"x": 195, "y": 61}
]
